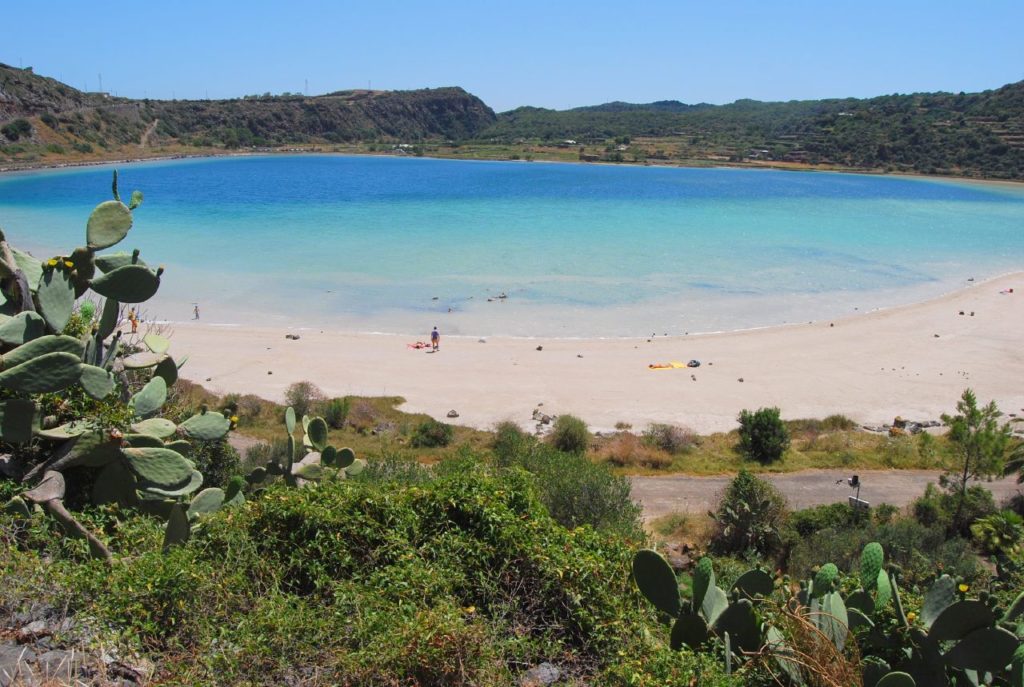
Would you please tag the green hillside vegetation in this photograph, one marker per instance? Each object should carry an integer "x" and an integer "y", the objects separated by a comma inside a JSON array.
[{"x": 968, "y": 134}]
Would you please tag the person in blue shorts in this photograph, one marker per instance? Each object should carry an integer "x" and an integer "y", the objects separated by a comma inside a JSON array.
[{"x": 435, "y": 339}]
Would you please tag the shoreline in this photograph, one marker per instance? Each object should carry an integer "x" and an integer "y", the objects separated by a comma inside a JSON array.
[
  {"x": 717, "y": 164},
  {"x": 911, "y": 360}
]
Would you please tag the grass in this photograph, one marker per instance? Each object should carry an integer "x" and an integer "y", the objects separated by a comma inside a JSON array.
[{"x": 375, "y": 426}]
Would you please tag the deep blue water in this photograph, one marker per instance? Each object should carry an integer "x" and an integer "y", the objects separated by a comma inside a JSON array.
[{"x": 367, "y": 243}]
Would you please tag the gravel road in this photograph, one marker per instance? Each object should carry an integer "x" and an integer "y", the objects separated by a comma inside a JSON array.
[{"x": 673, "y": 493}]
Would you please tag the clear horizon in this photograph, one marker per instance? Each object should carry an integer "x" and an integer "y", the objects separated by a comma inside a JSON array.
[{"x": 557, "y": 56}]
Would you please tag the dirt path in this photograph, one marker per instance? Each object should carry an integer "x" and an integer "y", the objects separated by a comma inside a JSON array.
[
  {"x": 144, "y": 141},
  {"x": 673, "y": 493}
]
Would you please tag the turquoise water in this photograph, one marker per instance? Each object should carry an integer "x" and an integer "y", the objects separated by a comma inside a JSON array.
[{"x": 369, "y": 243}]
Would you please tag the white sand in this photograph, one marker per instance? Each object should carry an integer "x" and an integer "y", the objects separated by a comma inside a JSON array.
[{"x": 870, "y": 367}]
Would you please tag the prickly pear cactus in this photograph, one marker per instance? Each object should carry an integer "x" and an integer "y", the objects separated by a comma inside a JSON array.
[{"x": 139, "y": 458}]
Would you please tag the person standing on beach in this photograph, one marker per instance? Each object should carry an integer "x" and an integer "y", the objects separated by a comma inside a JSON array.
[
  {"x": 435, "y": 339},
  {"x": 195, "y": 312},
  {"x": 134, "y": 320}
]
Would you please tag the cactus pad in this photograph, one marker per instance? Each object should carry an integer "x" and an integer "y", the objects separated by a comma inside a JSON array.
[
  {"x": 739, "y": 621},
  {"x": 96, "y": 381},
  {"x": 193, "y": 484},
  {"x": 41, "y": 346},
  {"x": 715, "y": 602},
  {"x": 871, "y": 559},
  {"x": 156, "y": 343},
  {"x": 16, "y": 419},
  {"x": 178, "y": 531},
  {"x": 834, "y": 621},
  {"x": 289, "y": 420},
  {"x": 690, "y": 630},
  {"x": 883, "y": 590},
  {"x": 941, "y": 594},
  {"x": 987, "y": 650},
  {"x": 108, "y": 318},
  {"x": 895, "y": 679},
  {"x": 206, "y": 501},
  {"x": 862, "y": 601},
  {"x": 158, "y": 427},
  {"x": 48, "y": 372},
  {"x": 656, "y": 581},
  {"x": 56, "y": 298},
  {"x": 159, "y": 467},
  {"x": 208, "y": 426},
  {"x": 1015, "y": 609},
  {"x": 69, "y": 430},
  {"x": 32, "y": 267},
  {"x": 317, "y": 432},
  {"x": 17, "y": 507},
  {"x": 309, "y": 471},
  {"x": 108, "y": 224},
  {"x": 111, "y": 261},
  {"x": 150, "y": 399},
  {"x": 114, "y": 484},
  {"x": 755, "y": 583},
  {"x": 128, "y": 284},
  {"x": 960, "y": 619},
  {"x": 357, "y": 466},
  {"x": 234, "y": 488},
  {"x": 346, "y": 457},
  {"x": 703, "y": 579},
  {"x": 824, "y": 580},
  {"x": 22, "y": 328}
]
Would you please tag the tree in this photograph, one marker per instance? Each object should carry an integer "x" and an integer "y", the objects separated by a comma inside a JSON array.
[
  {"x": 763, "y": 435},
  {"x": 980, "y": 444}
]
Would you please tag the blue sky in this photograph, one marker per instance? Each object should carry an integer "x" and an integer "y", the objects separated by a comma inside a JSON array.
[{"x": 549, "y": 54}]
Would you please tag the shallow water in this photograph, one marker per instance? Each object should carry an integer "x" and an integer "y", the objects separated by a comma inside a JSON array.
[{"x": 391, "y": 244}]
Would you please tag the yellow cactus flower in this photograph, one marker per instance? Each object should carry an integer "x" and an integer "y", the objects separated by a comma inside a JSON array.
[
  {"x": 469, "y": 609},
  {"x": 52, "y": 262},
  {"x": 911, "y": 616},
  {"x": 69, "y": 264},
  {"x": 963, "y": 588},
  {"x": 234, "y": 419}
]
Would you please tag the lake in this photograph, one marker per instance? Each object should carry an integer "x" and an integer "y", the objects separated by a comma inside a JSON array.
[{"x": 403, "y": 244}]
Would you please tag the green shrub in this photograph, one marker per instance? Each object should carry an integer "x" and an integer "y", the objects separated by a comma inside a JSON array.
[
  {"x": 749, "y": 517},
  {"x": 999, "y": 533},
  {"x": 938, "y": 507},
  {"x": 217, "y": 460},
  {"x": 432, "y": 434},
  {"x": 669, "y": 438},
  {"x": 803, "y": 523},
  {"x": 510, "y": 441},
  {"x": 569, "y": 434},
  {"x": 335, "y": 411},
  {"x": 302, "y": 396},
  {"x": 763, "y": 435},
  {"x": 16, "y": 129},
  {"x": 578, "y": 492}
]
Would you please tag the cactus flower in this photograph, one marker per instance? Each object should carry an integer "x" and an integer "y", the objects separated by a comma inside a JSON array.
[
  {"x": 963, "y": 588},
  {"x": 234, "y": 419},
  {"x": 911, "y": 617},
  {"x": 52, "y": 262},
  {"x": 470, "y": 610}
]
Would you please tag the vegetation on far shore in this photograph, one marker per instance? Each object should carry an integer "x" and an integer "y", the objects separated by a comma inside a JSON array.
[{"x": 978, "y": 135}]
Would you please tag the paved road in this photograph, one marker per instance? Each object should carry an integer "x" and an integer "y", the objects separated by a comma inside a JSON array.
[{"x": 673, "y": 493}]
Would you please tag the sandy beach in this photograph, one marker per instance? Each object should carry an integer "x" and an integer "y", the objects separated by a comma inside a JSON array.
[{"x": 912, "y": 360}]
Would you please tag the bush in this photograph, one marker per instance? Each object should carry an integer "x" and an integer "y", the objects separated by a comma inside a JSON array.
[
  {"x": 301, "y": 396},
  {"x": 217, "y": 460},
  {"x": 509, "y": 442},
  {"x": 335, "y": 411},
  {"x": 763, "y": 435},
  {"x": 363, "y": 417},
  {"x": 749, "y": 517},
  {"x": 258, "y": 455},
  {"x": 670, "y": 438},
  {"x": 576, "y": 491},
  {"x": 569, "y": 434},
  {"x": 431, "y": 434},
  {"x": 628, "y": 450},
  {"x": 16, "y": 129},
  {"x": 937, "y": 507},
  {"x": 999, "y": 533}
]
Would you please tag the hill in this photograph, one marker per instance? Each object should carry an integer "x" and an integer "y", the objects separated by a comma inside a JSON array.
[
  {"x": 43, "y": 121},
  {"x": 40, "y": 116}
]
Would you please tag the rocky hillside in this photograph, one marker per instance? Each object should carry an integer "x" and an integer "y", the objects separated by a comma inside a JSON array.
[{"x": 42, "y": 115}]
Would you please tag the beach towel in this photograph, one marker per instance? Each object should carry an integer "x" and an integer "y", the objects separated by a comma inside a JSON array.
[{"x": 671, "y": 365}]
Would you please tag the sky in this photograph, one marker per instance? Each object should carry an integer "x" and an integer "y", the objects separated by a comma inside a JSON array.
[{"x": 546, "y": 53}]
